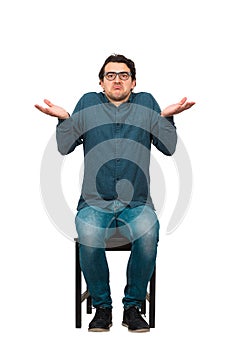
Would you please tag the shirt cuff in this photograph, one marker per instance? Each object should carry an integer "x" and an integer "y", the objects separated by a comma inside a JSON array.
[
  {"x": 170, "y": 119},
  {"x": 60, "y": 120}
]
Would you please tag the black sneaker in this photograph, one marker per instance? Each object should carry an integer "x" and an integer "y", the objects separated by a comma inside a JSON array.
[
  {"x": 132, "y": 319},
  {"x": 102, "y": 320}
]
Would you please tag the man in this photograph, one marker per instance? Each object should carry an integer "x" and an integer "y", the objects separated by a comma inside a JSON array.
[{"x": 116, "y": 128}]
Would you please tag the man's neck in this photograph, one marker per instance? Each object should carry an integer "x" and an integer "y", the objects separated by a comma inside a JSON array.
[{"x": 118, "y": 103}]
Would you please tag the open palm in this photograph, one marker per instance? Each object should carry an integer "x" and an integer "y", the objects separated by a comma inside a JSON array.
[
  {"x": 177, "y": 108},
  {"x": 53, "y": 110}
]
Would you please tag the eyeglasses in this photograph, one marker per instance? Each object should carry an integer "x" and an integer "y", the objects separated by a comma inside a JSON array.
[{"x": 122, "y": 75}]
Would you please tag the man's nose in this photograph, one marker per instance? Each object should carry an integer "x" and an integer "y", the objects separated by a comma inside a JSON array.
[{"x": 117, "y": 79}]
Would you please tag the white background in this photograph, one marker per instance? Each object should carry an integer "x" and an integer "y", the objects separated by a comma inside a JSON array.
[{"x": 54, "y": 49}]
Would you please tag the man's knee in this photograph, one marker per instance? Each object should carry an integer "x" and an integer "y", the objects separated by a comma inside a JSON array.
[{"x": 147, "y": 225}]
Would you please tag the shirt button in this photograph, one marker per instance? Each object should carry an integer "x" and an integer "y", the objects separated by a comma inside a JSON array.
[{"x": 118, "y": 160}]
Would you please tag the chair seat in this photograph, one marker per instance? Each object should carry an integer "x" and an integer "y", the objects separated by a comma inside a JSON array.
[{"x": 118, "y": 243}]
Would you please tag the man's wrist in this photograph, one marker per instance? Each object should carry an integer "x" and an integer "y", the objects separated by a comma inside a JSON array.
[
  {"x": 164, "y": 115},
  {"x": 66, "y": 117},
  {"x": 60, "y": 120}
]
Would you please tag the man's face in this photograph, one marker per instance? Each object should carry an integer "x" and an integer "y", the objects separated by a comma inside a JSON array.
[{"x": 117, "y": 90}]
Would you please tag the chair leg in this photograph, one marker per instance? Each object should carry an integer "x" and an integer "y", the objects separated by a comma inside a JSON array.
[
  {"x": 143, "y": 308},
  {"x": 89, "y": 305},
  {"x": 152, "y": 300},
  {"x": 78, "y": 289}
]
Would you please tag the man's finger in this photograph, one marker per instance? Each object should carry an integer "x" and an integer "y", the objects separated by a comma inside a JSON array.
[
  {"x": 48, "y": 103},
  {"x": 190, "y": 104},
  {"x": 183, "y": 100},
  {"x": 40, "y": 108}
]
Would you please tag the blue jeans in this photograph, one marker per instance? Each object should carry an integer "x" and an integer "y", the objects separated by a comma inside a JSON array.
[{"x": 94, "y": 226}]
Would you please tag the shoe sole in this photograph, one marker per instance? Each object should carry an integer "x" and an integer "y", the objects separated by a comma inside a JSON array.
[
  {"x": 99, "y": 329},
  {"x": 141, "y": 330}
]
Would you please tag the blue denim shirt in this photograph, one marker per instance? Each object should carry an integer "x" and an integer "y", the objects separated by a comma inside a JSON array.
[{"x": 116, "y": 143}]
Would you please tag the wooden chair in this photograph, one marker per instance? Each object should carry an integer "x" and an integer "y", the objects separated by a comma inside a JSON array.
[{"x": 115, "y": 243}]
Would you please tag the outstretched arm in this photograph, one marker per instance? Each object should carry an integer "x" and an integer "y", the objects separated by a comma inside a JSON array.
[
  {"x": 177, "y": 108},
  {"x": 53, "y": 110}
]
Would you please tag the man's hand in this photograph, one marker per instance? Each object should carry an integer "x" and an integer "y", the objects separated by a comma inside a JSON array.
[
  {"x": 53, "y": 110},
  {"x": 177, "y": 107}
]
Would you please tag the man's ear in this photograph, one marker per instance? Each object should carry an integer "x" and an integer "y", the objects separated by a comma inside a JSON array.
[
  {"x": 133, "y": 84},
  {"x": 101, "y": 83}
]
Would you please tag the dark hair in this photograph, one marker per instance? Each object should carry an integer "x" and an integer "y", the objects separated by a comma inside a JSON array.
[{"x": 120, "y": 59}]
